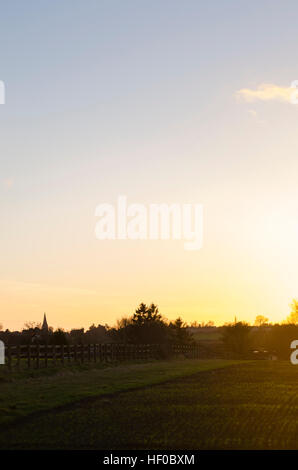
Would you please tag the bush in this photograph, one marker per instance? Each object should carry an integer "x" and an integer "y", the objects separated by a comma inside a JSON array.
[{"x": 236, "y": 339}]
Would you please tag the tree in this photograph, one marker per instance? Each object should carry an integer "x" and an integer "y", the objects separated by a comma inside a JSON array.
[
  {"x": 120, "y": 333},
  {"x": 279, "y": 339},
  {"x": 180, "y": 333},
  {"x": 31, "y": 325},
  {"x": 293, "y": 317},
  {"x": 145, "y": 315},
  {"x": 147, "y": 326},
  {"x": 96, "y": 334},
  {"x": 236, "y": 338},
  {"x": 261, "y": 320},
  {"x": 59, "y": 337},
  {"x": 77, "y": 336}
]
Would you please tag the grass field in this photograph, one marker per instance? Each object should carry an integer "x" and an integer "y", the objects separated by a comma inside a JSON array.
[
  {"x": 207, "y": 335},
  {"x": 252, "y": 405},
  {"x": 29, "y": 391}
]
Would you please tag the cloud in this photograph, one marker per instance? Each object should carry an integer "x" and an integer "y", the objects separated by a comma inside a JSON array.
[{"x": 266, "y": 92}]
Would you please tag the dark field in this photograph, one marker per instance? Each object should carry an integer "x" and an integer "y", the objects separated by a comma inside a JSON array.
[{"x": 242, "y": 406}]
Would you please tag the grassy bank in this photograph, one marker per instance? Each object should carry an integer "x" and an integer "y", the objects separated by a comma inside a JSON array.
[
  {"x": 33, "y": 391},
  {"x": 245, "y": 406}
]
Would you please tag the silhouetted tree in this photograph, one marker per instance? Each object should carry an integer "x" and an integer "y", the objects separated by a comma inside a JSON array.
[
  {"x": 147, "y": 326},
  {"x": 279, "y": 339},
  {"x": 180, "y": 334},
  {"x": 236, "y": 338},
  {"x": 77, "y": 336},
  {"x": 59, "y": 337},
  {"x": 96, "y": 334},
  {"x": 261, "y": 320}
]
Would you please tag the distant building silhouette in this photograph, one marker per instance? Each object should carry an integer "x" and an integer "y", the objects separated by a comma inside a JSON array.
[
  {"x": 45, "y": 327},
  {"x": 41, "y": 335}
]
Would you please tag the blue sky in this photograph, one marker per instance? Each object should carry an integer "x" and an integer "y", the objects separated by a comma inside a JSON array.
[{"x": 58, "y": 56}]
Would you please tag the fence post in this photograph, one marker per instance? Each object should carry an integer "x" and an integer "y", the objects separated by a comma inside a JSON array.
[
  {"x": 82, "y": 352},
  {"x": 18, "y": 356},
  {"x": 37, "y": 357},
  {"x": 46, "y": 356},
  {"x": 68, "y": 353},
  {"x": 54, "y": 354},
  {"x": 102, "y": 352},
  {"x": 62, "y": 353},
  {"x": 29, "y": 356},
  {"x": 9, "y": 356}
]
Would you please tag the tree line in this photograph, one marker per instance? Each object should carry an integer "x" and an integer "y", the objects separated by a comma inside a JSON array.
[{"x": 147, "y": 326}]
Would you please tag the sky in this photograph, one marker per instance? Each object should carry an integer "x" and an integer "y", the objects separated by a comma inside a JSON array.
[{"x": 164, "y": 102}]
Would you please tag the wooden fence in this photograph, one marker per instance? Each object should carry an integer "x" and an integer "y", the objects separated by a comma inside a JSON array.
[{"x": 36, "y": 356}]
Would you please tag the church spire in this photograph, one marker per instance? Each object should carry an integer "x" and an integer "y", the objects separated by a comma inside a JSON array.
[{"x": 45, "y": 327}]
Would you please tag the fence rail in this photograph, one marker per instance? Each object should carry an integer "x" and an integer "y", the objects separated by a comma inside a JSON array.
[{"x": 36, "y": 356}]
